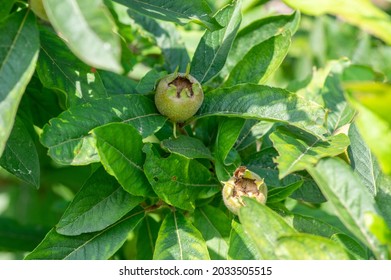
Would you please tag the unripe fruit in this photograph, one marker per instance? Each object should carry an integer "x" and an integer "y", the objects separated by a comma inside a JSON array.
[
  {"x": 244, "y": 183},
  {"x": 38, "y": 9},
  {"x": 178, "y": 96}
]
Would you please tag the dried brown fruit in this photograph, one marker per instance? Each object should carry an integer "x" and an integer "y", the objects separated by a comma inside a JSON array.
[{"x": 243, "y": 183}]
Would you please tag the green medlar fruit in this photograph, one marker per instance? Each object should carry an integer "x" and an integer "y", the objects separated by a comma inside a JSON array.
[
  {"x": 178, "y": 96},
  {"x": 243, "y": 183}
]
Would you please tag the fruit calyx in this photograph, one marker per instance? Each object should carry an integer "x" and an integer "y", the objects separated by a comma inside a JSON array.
[
  {"x": 178, "y": 96},
  {"x": 243, "y": 183},
  {"x": 182, "y": 83}
]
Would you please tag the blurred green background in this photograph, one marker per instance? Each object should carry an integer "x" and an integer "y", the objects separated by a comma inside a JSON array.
[{"x": 27, "y": 214}]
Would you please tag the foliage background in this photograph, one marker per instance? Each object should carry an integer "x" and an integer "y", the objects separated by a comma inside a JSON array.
[{"x": 339, "y": 57}]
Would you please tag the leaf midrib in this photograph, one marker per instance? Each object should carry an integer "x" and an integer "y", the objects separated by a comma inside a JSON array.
[
  {"x": 79, "y": 216},
  {"x": 178, "y": 236},
  {"x": 120, "y": 153},
  {"x": 14, "y": 42},
  {"x": 178, "y": 14},
  {"x": 304, "y": 153},
  {"x": 100, "y": 233},
  {"x": 221, "y": 45}
]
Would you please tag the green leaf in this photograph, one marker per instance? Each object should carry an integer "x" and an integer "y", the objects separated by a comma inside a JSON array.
[
  {"x": 17, "y": 237},
  {"x": 99, "y": 203},
  {"x": 117, "y": 84},
  {"x": 251, "y": 132},
  {"x": 186, "y": 146},
  {"x": 178, "y": 11},
  {"x": 261, "y": 61},
  {"x": 309, "y": 247},
  {"x": 351, "y": 199},
  {"x": 20, "y": 156},
  {"x": 264, "y": 227},
  {"x": 148, "y": 82},
  {"x": 383, "y": 197},
  {"x": 340, "y": 113},
  {"x": 240, "y": 246},
  {"x": 215, "y": 227},
  {"x": 6, "y": 6},
  {"x": 168, "y": 40},
  {"x": 225, "y": 171},
  {"x": 297, "y": 151},
  {"x": 313, "y": 86},
  {"x": 178, "y": 239},
  {"x": 120, "y": 150},
  {"x": 228, "y": 132},
  {"x": 179, "y": 187},
  {"x": 68, "y": 138},
  {"x": 257, "y": 32},
  {"x": 146, "y": 238},
  {"x": 226, "y": 158},
  {"x": 212, "y": 51},
  {"x": 324, "y": 88},
  {"x": 366, "y": 15},
  {"x": 373, "y": 120},
  {"x": 263, "y": 163},
  {"x": 363, "y": 162},
  {"x": 42, "y": 103},
  {"x": 61, "y": 70},
  {"x": 378, "y": 227},
  {"x": 358, "y": 72},
  {"x": 351, "y": 245},
  {"x": 89, "y": 31},
  {"x": 311, "y": 225},
  {"x": 281, "y": 193},
  {"x": 19, "y": 46},
  {"x": 263, "y": 103},
  {"x": 99, "y": 245}
]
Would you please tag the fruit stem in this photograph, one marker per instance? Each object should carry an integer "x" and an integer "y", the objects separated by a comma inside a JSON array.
[{"x": 174, "y": 130}]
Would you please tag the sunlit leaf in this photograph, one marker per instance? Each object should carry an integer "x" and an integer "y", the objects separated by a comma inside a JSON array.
[
  {"x": 67, "y": 136},
  {"x": 215, "y": 227},
  {"x": 19, "y": 46},
  {"x": 264, "y": 227},
  {"x": 261, "y": 61},
  {"x": 99, "y": 203},
  {"x": 178, "y": 239},
  {"x": 177, "y": 180},
  {"x": 240, "y": 246},
  {"x": 186, "y": 146},
  {"x": 257, "y": 32},
  {"x": 89, "y": 31},
  {"x": 178, "y": 11},
  {"x": 362, "y": 160},
  {"x": 299, "y": 150},
  {"x": 99, "y": 245},
  {"x": 351, "y": 200},
  {"x": 212, "y": 51},
  {"x": 309, "y": 247},
  {"x": 120, "y": 150},
  {"x": 263, "y": 103},
  {"x": 58, "y": 68}
]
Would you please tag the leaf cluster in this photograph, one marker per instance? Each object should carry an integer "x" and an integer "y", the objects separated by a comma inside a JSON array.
[{"x": 78, "y": 122}]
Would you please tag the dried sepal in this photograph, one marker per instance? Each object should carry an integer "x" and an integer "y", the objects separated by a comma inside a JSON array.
[{"x": 243, "y": 183}]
